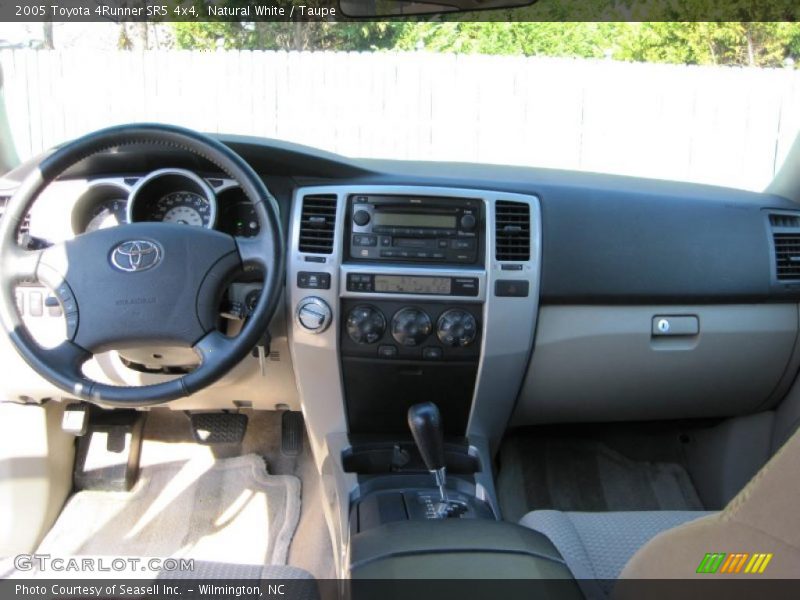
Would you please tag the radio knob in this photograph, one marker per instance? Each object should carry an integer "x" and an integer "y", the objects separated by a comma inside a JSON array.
[
  {"x": 410, "y": 326},
  {"x": 361, "y": 218},
  {"x": 468, "y": 222},
  {"x": 313, "y": 314},
  {"x": 456, "y": 327},
  {"x": 365, "y": 324}
]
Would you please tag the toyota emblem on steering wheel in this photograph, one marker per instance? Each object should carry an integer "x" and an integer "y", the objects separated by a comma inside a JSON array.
[{"x": 135, "y": 256}]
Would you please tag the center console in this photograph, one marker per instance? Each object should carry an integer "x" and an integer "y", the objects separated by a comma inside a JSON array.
[{"x": 405, "y": 298}]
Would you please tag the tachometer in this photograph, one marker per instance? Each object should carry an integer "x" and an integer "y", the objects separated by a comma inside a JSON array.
[
  {"x": 184, "y": 208},
  {"x": 108, "y": 213}
]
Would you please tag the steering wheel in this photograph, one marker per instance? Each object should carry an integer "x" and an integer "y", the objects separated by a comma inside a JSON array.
[{"x": 140, "y": 283}]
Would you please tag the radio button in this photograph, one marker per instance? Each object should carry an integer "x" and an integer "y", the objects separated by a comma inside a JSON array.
[
  {"x": 442, "y": 243},
  {"x": 388, "y": 254},
  {"x": 361, "y": 218},
  {"x": 365, "y": 240},
  {"x": 462, "y": 244},
  {"x": 468, "y": 222},
  {"x": 385, "y": 241}
]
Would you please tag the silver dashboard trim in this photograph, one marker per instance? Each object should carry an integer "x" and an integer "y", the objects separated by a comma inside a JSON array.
[{"x": 508, "y": 329}]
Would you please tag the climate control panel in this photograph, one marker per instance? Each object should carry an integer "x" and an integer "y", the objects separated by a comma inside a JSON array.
[{"x": 425, "y": 331}]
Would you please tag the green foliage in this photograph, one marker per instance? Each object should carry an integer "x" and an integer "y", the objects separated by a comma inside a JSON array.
[
  {"x": 726, "y": 43},
  {"x": 285, "y": 35}
]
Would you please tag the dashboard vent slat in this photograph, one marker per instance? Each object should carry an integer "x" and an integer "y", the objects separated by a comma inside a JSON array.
[
  {"x": 318, "y": 224},
  {"x": 786, "y": 243},
  {"x": 787, "y": 256},
  {"x": 512, "y": 231}
]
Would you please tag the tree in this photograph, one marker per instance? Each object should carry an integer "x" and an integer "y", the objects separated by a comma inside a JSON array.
[{"x": 763, "y": 44}]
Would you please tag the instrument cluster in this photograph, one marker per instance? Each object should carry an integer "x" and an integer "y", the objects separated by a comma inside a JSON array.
[{"x": 167, "y": 196}]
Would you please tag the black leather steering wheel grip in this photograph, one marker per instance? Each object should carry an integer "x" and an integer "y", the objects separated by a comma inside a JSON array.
[{"x": 142, "y": 283}]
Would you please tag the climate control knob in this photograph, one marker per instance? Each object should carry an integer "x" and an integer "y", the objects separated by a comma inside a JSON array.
[
  {"x": 456, "y": 327},
  {"x": 365, "y": 324},
  {"x": 410, "y": 326}
]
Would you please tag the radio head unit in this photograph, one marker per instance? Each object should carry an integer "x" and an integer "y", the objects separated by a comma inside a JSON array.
[{"x": 417, "y": 229}]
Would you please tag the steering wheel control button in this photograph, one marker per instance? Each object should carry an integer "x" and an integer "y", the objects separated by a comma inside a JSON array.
[
  {"x": 456, "y": 328},
  {"x": 64, "y": 294},
  {"x": 411, "y": 326},
  {"x": 387, "y": 351},
  {"x": 72, "y": 325},
  {"x": 510, "y": 288},
  {"x": 313, "y": 314},
  {"x": 308, "y": 280},
  {"x": 675, "y": 325},
  {"x": 365, "y": 324}
]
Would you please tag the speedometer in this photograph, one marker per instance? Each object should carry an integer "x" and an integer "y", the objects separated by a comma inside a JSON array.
[
  {"x": 183, "y": 208},
  {"x": 173, "y": 196}
]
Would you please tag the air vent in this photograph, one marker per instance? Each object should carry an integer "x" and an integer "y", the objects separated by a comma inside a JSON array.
[
  {"x": 3, "y": 203},
  {"x": 317, "y": 224},
  {"x": 512, "y": 230},
  {"x": 787, "y": 256},
  {"x": 784, "y": 220},
  {"x": 786, "y": 241}
]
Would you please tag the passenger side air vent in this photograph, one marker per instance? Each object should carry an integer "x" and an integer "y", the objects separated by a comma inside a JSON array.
[
  {"x": 786, "y": 241},
  {"x": 318, "y": 223},
  {"x": 512, "y": 230}
]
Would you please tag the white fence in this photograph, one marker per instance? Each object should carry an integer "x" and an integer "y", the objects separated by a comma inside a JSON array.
[{"x": 721, "y": 125}]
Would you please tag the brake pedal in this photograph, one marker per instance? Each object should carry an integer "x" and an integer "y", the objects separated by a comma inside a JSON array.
[
  {"x": 218, "y": 428},
  {"x": 292, "y": 426}
]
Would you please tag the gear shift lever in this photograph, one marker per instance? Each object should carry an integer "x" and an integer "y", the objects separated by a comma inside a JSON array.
[{"x": 425, "y": 423}]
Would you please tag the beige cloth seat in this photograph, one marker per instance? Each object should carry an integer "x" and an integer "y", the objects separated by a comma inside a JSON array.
[{"x": 762, "y": 519}]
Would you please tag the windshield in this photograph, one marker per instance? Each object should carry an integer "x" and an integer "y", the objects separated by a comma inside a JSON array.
[{"x": 715, "y": 103}]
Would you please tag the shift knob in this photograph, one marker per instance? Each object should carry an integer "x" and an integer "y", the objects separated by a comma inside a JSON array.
[{"x": 425, "y": 423}]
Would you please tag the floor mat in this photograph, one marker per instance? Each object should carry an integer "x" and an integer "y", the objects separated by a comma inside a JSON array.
[
  {"x": 585, "y": 475},
  {"x": 222, "y": 511}
]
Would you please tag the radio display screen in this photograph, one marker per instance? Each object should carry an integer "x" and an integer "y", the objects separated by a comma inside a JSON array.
[
  {"x": 401, "y": 284},
  {"x": 404, "y": 219}
]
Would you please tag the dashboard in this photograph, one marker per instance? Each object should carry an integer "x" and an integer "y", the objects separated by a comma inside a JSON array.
[{"x": 410, "y": 273}]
